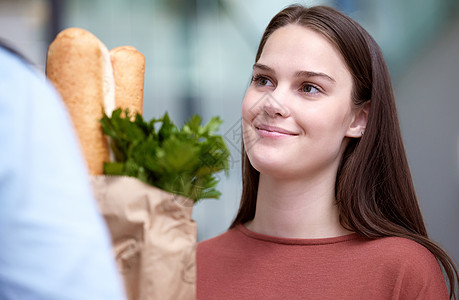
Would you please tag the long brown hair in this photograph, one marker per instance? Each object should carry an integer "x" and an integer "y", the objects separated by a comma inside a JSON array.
[{"x": 374, "y": 189}]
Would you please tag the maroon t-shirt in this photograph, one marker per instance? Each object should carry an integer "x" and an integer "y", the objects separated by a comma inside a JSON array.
[{"x": 241, "y": 264}]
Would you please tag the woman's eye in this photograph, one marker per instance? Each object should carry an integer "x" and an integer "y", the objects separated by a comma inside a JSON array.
[
  {"x": 309, "y": 89},
  {"x": 262, "y": 81}
]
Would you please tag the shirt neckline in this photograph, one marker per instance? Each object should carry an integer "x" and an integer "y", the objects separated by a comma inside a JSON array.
[{"x": 295, "y": 241}]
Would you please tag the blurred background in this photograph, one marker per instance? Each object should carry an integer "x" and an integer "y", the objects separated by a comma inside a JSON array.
[{"x": 199, "y": 55}]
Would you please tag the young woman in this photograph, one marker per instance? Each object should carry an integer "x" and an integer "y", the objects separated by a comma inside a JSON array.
[{"x": 328, "y": 208}]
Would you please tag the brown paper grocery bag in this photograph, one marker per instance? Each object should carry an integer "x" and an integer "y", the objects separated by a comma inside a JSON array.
[{"x": 154, "y": 237}]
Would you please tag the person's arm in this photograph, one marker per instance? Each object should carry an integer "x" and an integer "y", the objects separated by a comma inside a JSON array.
[{"x": 53, "y": 241}]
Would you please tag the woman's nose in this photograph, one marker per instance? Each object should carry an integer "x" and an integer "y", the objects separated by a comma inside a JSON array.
[{"x": 274, "y": 104}]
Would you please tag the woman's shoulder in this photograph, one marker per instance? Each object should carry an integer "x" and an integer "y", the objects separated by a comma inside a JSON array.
[
  {"x": 397, "y": 253},
  {"x": 221, "y": 241},
  {"x": 215, "y": 251},
  {"x": 403, "y": 251},
  {"x": 412, "y": 267}
]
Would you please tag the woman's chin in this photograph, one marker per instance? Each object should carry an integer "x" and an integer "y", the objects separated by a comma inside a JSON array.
[{"x": 273, "y": 166}]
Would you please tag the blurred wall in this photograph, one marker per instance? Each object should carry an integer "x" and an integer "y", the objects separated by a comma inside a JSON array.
[
  {"x": 24, "y": 24},
  {"x": 428, "y": 102}
]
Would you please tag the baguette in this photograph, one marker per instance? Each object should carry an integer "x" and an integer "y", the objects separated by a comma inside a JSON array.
[
  {"x": 128, "y": 70},
  {"x": 78, "y": 64}
]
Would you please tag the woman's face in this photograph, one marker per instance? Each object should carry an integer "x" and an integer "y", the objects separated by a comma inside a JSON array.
[{"x": 298, "y": 111}]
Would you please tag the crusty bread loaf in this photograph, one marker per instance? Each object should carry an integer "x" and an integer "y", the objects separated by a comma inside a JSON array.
[
  {"x": 128, "y": 69},
  {"x": 78, "y": 64}
]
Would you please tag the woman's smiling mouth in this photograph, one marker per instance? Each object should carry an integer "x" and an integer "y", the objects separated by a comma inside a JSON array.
[{"x": 273, "y": 131}]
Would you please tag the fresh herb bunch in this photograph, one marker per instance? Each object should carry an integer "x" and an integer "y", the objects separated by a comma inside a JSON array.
[{"x": 181, "y": 161}]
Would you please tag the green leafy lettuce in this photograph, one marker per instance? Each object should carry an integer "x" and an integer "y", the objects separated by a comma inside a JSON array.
[{"x": 181, "y": 161}]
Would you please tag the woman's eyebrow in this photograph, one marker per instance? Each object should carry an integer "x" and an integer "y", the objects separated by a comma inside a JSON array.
[
  {"x": 262, "y": 67},
  {"x": 298, "y": 74},
  {"x": 314, "y": 74}
]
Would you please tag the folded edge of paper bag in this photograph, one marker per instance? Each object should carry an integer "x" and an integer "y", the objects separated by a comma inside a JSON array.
[{"x": 153, "y": 235}]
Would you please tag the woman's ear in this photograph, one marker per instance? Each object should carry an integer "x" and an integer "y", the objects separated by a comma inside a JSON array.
[{"x": 357, "y": 127}]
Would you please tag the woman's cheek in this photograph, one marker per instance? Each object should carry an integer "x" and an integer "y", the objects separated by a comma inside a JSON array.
[{"x": 247, "y": 112}]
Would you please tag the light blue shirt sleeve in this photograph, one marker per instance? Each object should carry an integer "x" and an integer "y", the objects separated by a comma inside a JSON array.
[{"x": 53, "y": 242}]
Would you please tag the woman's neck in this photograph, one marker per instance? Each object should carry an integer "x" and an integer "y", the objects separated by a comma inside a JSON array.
[{"x": 296, "y": 208}]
